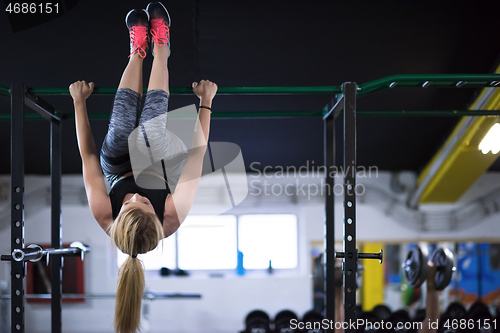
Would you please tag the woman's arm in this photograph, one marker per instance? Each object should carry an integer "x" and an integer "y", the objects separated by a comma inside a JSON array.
[
  {"x": 431, "y": 302},
  {"x": 178, "y": 205},
  {"x": 97, "y": 195}
]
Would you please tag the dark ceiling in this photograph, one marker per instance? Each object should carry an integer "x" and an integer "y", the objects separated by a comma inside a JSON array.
[{"x": 266, "y": 43}]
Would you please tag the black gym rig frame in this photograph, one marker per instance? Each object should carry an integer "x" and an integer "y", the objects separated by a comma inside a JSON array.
[
  {"x": 19, "y": 99},
  {"x": 347, "y": 102}
]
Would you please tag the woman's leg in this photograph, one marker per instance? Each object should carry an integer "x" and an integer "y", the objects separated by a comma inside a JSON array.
[
  {"x": 154, "y": 140},
  {"x": 153, "y": 120},
  {"x": 115, "y": 160},
  {"x": 132, "y": 75},
  {"x": 125, "y": 109},
  {"x": 159, "y": 72},
  {"x": 162, "y": 144}
]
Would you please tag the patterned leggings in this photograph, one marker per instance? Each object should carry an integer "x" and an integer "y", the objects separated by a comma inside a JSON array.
[{"x": 115, "y": 159}]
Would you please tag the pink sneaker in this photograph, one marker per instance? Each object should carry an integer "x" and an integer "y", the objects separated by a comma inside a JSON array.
[
  {"x": 138, "y": 25},
  {"x": 159, "y": 23}
]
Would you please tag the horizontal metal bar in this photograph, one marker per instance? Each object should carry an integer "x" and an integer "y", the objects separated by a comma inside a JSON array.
[
  {"x": 394, "y": 81},
  {"x": 5, "y": 91},
  {"x": 35, "y": 252},
  {"x": 42, "y": 107},
  {"x": 428, "y": 113},
  {"x": 265, "y": 114},
  {"x": 27, "y": 254},
  {"x": 220, "y": 90},
  {"x": 434, "y": 81},
  {"x": 148, "y": 295},
  {"x": 296, "y": 114},
  {"x": 379, "y": 256}
]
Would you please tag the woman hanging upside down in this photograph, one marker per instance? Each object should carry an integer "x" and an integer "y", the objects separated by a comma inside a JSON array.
[{"x": 137, "y": 218}]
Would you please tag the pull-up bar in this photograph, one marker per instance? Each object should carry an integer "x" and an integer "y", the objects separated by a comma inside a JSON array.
[
  {"x": 430, "y": 81},
  {"x": 394, "y": 81},
  {"x": 300, "y": 114},
  {"x": 189, "y": 91}
]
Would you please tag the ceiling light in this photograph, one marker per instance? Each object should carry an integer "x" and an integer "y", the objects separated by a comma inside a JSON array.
[{"x": 491, "y": 141}]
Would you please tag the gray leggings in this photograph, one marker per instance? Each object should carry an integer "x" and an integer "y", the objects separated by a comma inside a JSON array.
[{"x": 115, "y": 159}]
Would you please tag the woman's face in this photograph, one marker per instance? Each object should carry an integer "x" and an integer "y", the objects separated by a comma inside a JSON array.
[{"x": 138, "y": 201}]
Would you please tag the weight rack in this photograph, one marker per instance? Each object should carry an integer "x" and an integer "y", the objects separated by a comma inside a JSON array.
[
  {"x": 19, "y": 99},
  {"x": 350, "y": 255}
]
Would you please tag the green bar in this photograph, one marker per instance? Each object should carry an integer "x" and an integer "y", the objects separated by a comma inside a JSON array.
[
  {"x": 267, "y": 114},
  {"x": 5, "y": 91},
  {"x": 436, "y": 81},
  {"x": 220, "y": 91},
  {"x": 434, "y": 113},
  {"x": 234, "y": 114},
  {"x": 237, "y": 114},
  {"x": 414, "y": 80},
  {"x": 304, "y": 114}
]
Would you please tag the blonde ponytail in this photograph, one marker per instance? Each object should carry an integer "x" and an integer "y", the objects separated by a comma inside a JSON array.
[{"x": 134, "y": 231}]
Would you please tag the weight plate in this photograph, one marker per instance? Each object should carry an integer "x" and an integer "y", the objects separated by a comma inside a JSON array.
[
  {"x": 382, "y": 311},
  {"x": 401, "y": 314},
  {"x": 312, "y": 317},
  {"x": 285, "y": 315},
  {"x": 282, "y": 321},
  {"x": 480, "y": 314},
  {"x": 415, "y": 266},
  {"x": 456, "y": 310},
  {"x": 478, "y": 310},
  {"x": 367, "y": 317},
  {"x": 419, "y": 315},
  {"x": 402, "y": 319},
  {"x": 443, "y": 259},
  {"x": 257, "y": 314}
]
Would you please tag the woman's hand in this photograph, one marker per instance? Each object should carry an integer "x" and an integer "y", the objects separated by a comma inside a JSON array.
[
  {"x": 205, "y": 89},
  {"x": 431, "y": 275},
  {"x": 81, "y": 90}
]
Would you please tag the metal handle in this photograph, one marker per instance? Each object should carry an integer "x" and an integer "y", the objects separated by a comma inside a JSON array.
[
  {"x": 379, "y": 256},
  {"x": 35, "y": 252}
]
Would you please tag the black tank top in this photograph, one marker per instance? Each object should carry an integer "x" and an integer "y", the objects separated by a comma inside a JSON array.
[{"x": 128, "y": 185}]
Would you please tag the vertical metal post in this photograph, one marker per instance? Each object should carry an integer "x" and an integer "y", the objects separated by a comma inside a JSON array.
[
  {"x": 351, "y": 255},
  {"x": 329, "y": 144},
  {"x": 479, "y": 272},
  {"x": 56, "y": 230},
  {"x": 17, "y": 205}
]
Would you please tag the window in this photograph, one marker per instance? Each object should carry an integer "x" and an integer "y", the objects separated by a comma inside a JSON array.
[
  {"x": 212, "y": 242},
  {"x": 207, "y": 242},
  {"x": 162, "y": 256},
  {"x": 264, "y": 238}
]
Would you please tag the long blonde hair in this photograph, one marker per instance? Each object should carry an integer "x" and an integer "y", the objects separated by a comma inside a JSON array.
[{"x": 134, "y": 231}]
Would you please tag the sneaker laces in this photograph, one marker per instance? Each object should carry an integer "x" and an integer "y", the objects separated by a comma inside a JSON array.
[
  {"x": 139, "y": 38},
  {"x": 160, "y": 33}
]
